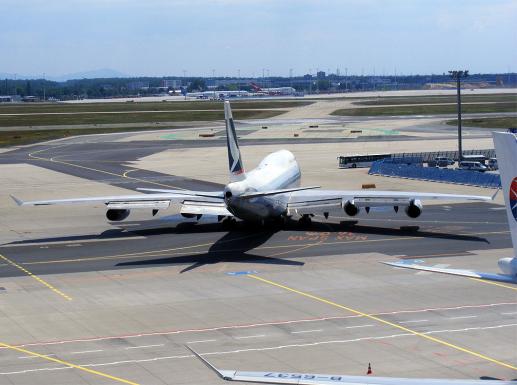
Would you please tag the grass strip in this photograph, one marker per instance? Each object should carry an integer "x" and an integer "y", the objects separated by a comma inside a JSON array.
[
  {"x": 502, "y": 122},
  {"x": 426, "y": 109}
]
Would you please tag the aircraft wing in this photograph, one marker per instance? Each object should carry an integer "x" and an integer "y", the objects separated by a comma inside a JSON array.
[
  {"x": 461, "y": 272},
  {"x": 327, "y": 379},
  {"x": 153, "y": 201},
  {"x": 321, "y": 200}
]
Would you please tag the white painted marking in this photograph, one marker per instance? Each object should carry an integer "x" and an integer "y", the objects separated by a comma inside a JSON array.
[
  {"x": 74, "y": 245},
  {"x": 413, "y": 321},
  {"x": 255, "y": 336},
  {"x": 248, "y": 326},
  {"x": 200, "y": 342},
  {"x": 358, "y": 326},
  {"x": 88, "y": 351},
  {"x": 307, "y": 331},
  {"x": 144, "y": 346},
  {"x": 464, "y": 317},
  {"x": 511, "y": 313},
  {"x": 153, "y": 359}
]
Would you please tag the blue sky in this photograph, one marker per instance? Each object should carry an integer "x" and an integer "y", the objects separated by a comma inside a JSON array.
[{"x": 165, "y": 37}]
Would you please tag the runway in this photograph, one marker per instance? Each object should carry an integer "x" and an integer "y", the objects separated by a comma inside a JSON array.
[{"x": 85, "y": 302}]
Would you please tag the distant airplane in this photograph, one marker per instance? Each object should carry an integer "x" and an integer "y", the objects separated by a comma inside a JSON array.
[
  {"x": 273, "y": 91},
  {"x": 506, "y": 150},
  {"x": 270, "y": 192},
  {"x": 328, "y": 379},
  {"x": 214, "y": 94}
]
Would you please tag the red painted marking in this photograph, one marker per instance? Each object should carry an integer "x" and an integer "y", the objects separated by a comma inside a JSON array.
[{"x": 244, "y": 326}]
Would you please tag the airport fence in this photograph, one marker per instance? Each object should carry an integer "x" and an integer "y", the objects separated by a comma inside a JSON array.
[
  {"x": 443, "y": 175},
  {"x": 431, "y": 156}
]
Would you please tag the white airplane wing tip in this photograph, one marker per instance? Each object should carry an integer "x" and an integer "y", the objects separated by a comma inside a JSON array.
[
  {"x": 224, "y": 374},
  {"x": 19, "y": 202},
  {"x": 459, "y": 272}
]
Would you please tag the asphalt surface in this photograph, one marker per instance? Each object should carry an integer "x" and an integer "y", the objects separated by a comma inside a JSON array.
[
  {"x": 173, "y": 240},
  {"x": 119, "y": 306}
]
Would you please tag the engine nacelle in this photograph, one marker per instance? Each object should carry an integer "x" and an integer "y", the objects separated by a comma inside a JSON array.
[
  {"x": 414, "y": 209},
  {"x": 508, "y": 266},
  {"x": 116, "y": 215},
  {"x": 189, "y": 215},
  {"x": 351, "y": 209}
]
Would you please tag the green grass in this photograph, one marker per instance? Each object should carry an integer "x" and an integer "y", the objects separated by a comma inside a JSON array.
[
  {"x": 502, "y": 122},
  {"x": 17, "y": 138},
  {"x": 426, "y": 109},
  {"x": 393, "y": 100},
  {"x": 130, "y": 117},
  {"x": 146, "y": 106}
]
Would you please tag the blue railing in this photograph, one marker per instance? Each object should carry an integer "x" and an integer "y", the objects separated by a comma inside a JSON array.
[{"x": 443, "y": 175}]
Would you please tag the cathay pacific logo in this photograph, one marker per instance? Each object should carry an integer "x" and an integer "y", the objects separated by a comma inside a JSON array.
[
  {"x": 233, "y": 151},
  {"x": 513, "y": 197}
]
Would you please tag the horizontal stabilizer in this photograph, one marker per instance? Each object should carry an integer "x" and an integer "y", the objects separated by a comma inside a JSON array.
[
  {"x": 276, "y": 192},
  {"x": 460, "y": 272}
]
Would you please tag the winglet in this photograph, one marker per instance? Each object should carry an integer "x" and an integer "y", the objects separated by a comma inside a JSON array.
[
  {"x": 227, "y": 375},
  {"x": 19, "y": 202}
]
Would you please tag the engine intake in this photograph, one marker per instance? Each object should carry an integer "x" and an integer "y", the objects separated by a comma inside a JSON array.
[
  {"x": 116, "y": 215},
  {"x": 508, "y": 266},
  {"x": 351, "y": 209},
  {"x": 414, "y": 209}
]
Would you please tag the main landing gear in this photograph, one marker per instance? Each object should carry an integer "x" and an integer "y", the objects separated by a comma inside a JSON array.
[{"x": 305, "y": 219}]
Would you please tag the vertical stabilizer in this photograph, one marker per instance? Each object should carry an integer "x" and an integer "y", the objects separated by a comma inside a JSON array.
[
  {"x": 234, "y": 154},
  {"x": 506, "y": 150}
]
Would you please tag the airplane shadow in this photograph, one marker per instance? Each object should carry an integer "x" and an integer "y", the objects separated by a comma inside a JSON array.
[
  {"x": 155, "y": 228},
  {"x": 219, "y": 252}
]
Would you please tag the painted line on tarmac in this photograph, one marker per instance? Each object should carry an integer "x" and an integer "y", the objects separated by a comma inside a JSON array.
[
  {"x": 383, "y": 321},
  {"x": 495, "y": 283},
  {"x": 252, "y": 325},
  {"x": 58, "y": 243},
  {"x": 66, "y": 363},
  {"x": 40, "y": 280},
  {"x": 264, "y": 348},
  {"x": 31, "y": 155}
]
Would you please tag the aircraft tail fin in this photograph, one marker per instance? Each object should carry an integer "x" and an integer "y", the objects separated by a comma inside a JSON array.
[
  {"x": 506, "y": 150},
  {"x": 234, "y": 154}
]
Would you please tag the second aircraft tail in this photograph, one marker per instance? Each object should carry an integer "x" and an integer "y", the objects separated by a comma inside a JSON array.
[{"x": 506, "y": 150}]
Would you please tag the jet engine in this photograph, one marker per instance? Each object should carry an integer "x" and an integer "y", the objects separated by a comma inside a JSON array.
[
  {"x": 189, "y": 215},
  {"x": 508, "y": 266},
  {"x": 117, "y": 214},
  {"x": 414, "y": 209},
  {"x": 351, "y": 209}
]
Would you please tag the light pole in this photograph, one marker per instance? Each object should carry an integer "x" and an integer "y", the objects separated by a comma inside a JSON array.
[{"x": 458, "y": 75}]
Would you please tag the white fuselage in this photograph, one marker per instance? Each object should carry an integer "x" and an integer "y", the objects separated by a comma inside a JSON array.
[{"x": 276, "y": 171}]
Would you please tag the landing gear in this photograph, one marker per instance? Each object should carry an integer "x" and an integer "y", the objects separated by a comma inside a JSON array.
[
  {"x": 229, "y": 222},
  {"x": 305, "y": 219}
]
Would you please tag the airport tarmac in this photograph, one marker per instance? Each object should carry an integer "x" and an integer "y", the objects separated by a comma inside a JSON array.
[{"x": 88, "y": 302}]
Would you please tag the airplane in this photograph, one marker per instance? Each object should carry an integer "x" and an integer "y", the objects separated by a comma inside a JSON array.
[
  {"x": 506, "y": 150},
  {"x": 273, "y": 91},
  {"x": 327, "y": 379},
  {"x": 269, "y": 193},
  {"x": 212, "y": 95}
]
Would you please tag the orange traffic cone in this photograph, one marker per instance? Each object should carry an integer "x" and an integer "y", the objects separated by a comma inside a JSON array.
[{"x": 369, "y": 369}]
